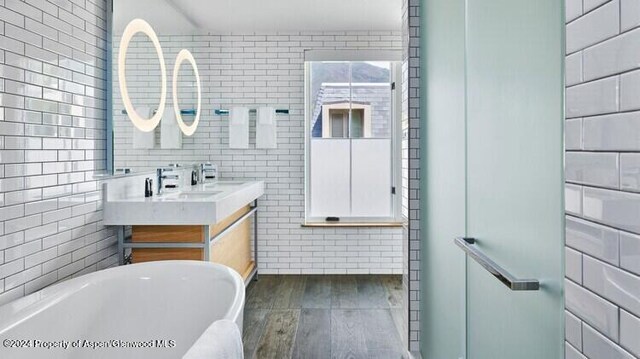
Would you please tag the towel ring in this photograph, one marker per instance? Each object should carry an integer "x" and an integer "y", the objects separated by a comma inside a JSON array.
[
  {"x": 182, "y": 56},
  {"x": 134, "y": 27}
]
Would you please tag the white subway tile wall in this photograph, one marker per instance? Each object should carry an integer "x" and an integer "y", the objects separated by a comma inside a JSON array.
[
  {"x": 603, "y": 179},
  {"x": 629, "y": 88},
  {"x": 612, "y": 56},
  {"x": 629, "y": 14},
  {"x": 630, "y": 327},
  {"x": 597, "y": 169},
  {"x": 574, "y": 69},
  {"x": 411, "y": 167},
  {"x": 574, "y": 9},
  {"x": 573, "y": 329},
  {"x": 573, "y": 261},
  {"x": 616, "y": 132},
  {"x": 595, "y": 240},
  {"x": 592, "y": 309},
  {"x": 593, "y": 98},
  {"x": 573, "y": 134},
  {"x": 630, "y": 252},
  {"x": 52, "y": 143},
  {"x": 251, "y": 70},
  {"x": 592, "y": 4},
  {"x": 593, "y": 27},
  {"x": 572, "y": 353}
]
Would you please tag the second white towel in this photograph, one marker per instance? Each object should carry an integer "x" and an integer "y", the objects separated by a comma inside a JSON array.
[
  {"x": 170, "y": 133},
  {"x": 266, "y": 134},
  {"x": 141, "y": 139},
  {"x": 239, "y": 128}
]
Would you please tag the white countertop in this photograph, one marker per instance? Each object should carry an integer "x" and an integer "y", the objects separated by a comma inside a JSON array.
[{"x": 201, "y": 204}]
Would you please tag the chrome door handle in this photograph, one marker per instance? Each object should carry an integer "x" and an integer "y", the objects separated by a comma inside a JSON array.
[{"x": 467, "y": 245}]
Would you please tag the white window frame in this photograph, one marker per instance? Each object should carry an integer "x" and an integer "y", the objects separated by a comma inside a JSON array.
[
  {"x": 327, "y": 126},
  {"x": 395, "y": 58}
]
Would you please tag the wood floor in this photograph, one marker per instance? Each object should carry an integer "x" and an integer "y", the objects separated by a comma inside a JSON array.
[{"x": 323, "y": 317}]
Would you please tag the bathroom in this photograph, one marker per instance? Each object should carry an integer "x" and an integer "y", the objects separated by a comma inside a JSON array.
[{"x": 328, "y": 179}]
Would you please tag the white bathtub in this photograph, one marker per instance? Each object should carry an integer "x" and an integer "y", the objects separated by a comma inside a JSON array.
[{"x": 161, "y": 306}]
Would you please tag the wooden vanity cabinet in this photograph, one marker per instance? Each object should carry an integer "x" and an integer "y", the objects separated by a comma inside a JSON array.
[{"x": 233, "y": 249}]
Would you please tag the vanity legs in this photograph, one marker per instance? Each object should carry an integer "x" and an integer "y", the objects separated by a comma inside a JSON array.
[
  {"x": 255, "y": 239},
  {"x": 120, "y": 230},
  {"x": 207, "y": 243}
]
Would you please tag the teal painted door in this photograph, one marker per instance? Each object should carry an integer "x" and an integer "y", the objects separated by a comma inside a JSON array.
[{"x": 514, "y": 176}]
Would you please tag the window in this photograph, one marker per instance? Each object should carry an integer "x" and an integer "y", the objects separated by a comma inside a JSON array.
[
  {"x": 338, "y": 114},
  {"x": 339, "y": 124},
  {"x": 351, "y": 156}
]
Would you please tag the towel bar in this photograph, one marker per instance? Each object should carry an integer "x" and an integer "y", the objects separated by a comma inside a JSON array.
[
  {"x": 191, "y": 112},
  {"x": 513, "y": 283},
  {"x": 222, "y": 112}
]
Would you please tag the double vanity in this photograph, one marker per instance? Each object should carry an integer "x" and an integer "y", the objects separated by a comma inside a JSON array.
[{"x": 213, "y": 221}]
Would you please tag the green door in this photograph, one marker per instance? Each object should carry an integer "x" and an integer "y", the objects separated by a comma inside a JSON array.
[
  {"x": 514, "y": 178},
  {"x": 491, "y": 169}
]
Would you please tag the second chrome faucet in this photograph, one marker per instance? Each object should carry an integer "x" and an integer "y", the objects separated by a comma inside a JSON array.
[{"x": 163, "y": 174}]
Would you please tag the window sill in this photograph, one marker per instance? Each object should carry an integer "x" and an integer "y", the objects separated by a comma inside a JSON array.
[{"x": 352, "y": 224}]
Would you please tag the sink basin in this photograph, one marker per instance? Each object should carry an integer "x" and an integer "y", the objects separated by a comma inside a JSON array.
[
  {"x": 191, "y": 195},
  {"x": 221, "y": 185}
]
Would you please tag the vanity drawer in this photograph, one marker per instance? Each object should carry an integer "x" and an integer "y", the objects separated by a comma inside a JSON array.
[
  {"x": 139, "y": 255},
  {"x": 175, "y": 234},
  {"x": 232, "y": 248}
]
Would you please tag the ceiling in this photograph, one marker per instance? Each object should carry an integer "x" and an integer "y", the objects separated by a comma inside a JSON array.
[{"x": 188, "y": 16}]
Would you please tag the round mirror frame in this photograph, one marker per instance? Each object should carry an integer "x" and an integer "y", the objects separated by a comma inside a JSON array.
[
  {"x": 182, "y": 56},
  {"x": 134, "y": 27}
]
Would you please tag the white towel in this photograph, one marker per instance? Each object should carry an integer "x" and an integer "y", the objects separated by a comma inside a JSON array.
[
  {"x": 266, "y": 134},
  {"x": 222, "y": 340},
  {"x": 143, "y": 140},
  {"x": 239, "y": 127},
  {"x": 265, "y": 115},
  {"x": 170, "y": 133}
]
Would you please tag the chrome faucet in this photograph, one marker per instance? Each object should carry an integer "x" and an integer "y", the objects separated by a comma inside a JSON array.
[
  {"x": 207, "y": 171},
  {"x": 161, "y": 176}
]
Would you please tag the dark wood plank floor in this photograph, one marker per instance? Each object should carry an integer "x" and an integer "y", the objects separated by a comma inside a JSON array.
[{"x": 311, "y": 317}]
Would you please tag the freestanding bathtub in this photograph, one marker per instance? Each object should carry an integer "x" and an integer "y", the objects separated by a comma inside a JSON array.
[{"x": 147, "y": 310}]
